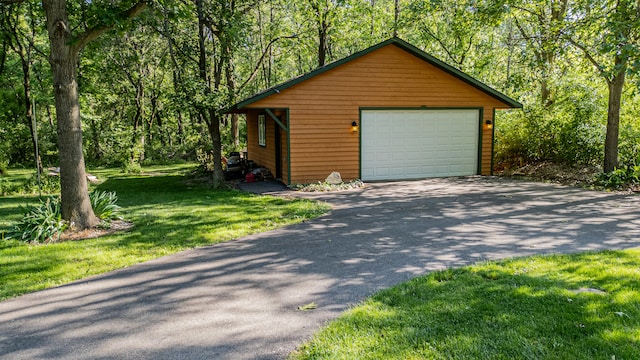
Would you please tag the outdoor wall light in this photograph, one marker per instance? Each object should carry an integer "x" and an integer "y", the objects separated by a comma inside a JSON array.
[
  {"x": 488, "y": 124},
  {"x": 354, "y": 126}
]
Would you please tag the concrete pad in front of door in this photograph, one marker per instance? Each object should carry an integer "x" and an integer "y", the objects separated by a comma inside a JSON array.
[{"x": 239, "y": 300}]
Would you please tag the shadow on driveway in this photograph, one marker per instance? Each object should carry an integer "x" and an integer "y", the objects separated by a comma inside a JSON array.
[{"x": 238, "y": 300}]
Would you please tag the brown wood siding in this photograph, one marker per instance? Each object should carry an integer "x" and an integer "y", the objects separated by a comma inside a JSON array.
[
  {"x": 266, "y": 155},
  {"x": 284, "y": 153},
  {"x": 261, "y": 155},
  {"x": 323, "y": 107}
]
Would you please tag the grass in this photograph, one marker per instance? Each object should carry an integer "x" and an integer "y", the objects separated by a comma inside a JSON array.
[
  {"x": 516, "y": 309},
  {"x": 169, "y": 216},
  {"x": 15, "y": 179}
]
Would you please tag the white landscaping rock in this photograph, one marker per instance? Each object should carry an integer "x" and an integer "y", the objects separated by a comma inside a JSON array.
[{"x": 334, "y": 178}]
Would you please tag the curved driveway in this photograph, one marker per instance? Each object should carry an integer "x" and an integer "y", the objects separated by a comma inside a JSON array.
[{"x": 238, "y": 300}]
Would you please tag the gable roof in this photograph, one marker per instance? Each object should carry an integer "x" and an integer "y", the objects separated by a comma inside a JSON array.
[{"x": 393, "y": 41}]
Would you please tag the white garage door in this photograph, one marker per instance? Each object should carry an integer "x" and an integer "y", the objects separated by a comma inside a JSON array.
[{"x": 411, "y": 144}]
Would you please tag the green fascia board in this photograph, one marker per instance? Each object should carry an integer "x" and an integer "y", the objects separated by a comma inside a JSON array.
[{"x": 393, "y": 41}]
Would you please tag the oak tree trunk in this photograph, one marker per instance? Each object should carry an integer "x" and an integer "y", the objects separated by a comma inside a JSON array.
[
  {"x": 213, "y": 124},
  {"x": 76, "y": 207},
  {"x": 616, "y": 85},
  {"x": 322, "y": 43}
]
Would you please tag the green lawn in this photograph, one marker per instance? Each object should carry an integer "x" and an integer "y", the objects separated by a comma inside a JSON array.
[
  {"x": 169, "y": 214},
  {"x": 517, "y": 309}
]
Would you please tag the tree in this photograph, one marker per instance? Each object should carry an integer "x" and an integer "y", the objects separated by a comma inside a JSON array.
[
  {"x": 211, "y": 85},
  {"x": 65, "y": 47},
  {"x": 608, "y": 34},
  {"x": 540, "y": 24},
  {"x": 20, "y": 37},
  {"x": 324, "y": 15}
]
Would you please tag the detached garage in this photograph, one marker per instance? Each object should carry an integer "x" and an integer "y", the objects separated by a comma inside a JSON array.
[{"x": 390, "y": 112}]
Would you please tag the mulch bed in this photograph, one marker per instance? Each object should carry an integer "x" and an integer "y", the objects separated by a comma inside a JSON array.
[
  {"x": 573, "y": 175},
  {"x": 115, "y": 226}
]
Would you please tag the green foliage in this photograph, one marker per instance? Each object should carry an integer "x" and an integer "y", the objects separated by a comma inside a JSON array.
[
  {"x": 40, "y": 223},
  {"x": 104, "y": 205},
  {"x": 142, "y": 94},
  {"x": 325, "y": 186},
  {"x": 629, "y": 150},
  {"x": 43, "y": 222},
  {"x": 545, "y": 307},
  {"x": 619, "y": 178},
  {"x": 48, "y": 184},
  {"x": 130, "y": 166},
  {"x": 205, "y": 159},
  {"x": 571, "y": 131},
  {"x": 29, "y": 185},
  {"x": 535, "y": 136}
]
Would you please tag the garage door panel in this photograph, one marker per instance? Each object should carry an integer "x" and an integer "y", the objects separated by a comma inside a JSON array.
[
  {"x": 419, "y": 143},
  {"x": 383, "y": 156}
]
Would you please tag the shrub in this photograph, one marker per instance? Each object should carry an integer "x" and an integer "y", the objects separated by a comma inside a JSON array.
[
  {"x": 43, "y": 223},
  {"x": 570, "y": 131},
  {"x": 130, "y": 166},
  {"x": 48, "y": 184},
  {"x": 629, "y": 148},
  {"x": 4, "y": 164},
  {"x": 104, "y": 205},
  {"x": 7, "y": 187},
  {"x": 325, "y": 186},
  {"x": 40, "y": 223},
  {"x": 619, "y": 178}
]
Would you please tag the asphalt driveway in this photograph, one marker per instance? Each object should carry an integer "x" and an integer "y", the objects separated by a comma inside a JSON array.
[{"x": 238, "y": 300}]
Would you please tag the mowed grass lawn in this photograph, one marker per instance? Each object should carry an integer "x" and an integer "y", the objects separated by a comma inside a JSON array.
[
  {"x": 584, "y": 306},
  {"x": 169, "y": 215}
]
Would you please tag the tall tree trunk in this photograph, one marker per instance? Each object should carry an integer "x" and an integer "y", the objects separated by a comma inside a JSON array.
[
  {"x": 322, "y": 41},
  {"x": 209, "y": 115},
  {"x": 322, "y": 16},
  {"x": 235, "y": 129},
  {"x": 176, "y": 75},
  {"x": 25, "y": 59},
  {"x": 96, "y": 148},
  {"x": 14, "y": 39},
  {"x": 137, "y": 156},
  {"x": 231, "y": 87},
  {"x": 3, "y": 56},
  {"x": 76, "y": 207},
  {"x": 616, "y": 85},
  {"x": 396, "y": 17},
  {"x": 213, "y": 124}
]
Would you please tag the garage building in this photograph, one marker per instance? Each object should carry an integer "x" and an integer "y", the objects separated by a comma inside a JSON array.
[{"x": 389, "y": 112}]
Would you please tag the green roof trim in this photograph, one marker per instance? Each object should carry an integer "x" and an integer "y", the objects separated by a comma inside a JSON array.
[{"x": 393, "y": 41}]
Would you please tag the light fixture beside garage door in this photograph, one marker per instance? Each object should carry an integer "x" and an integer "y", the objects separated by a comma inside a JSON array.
[
  {"x": 488, "y": 124},
  {"x": 354, "y": 126}
]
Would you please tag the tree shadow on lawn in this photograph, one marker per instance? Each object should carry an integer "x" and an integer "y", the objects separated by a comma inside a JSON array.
[
  {"x": 510, "y": 311},
  {"x": 10, "y": 208},
  {"x": 167, "y": 215},
  {"x": 166, "y": 212}
]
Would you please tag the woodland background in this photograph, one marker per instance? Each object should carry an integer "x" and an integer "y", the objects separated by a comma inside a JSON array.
[{"x": 151, "y": 89}]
